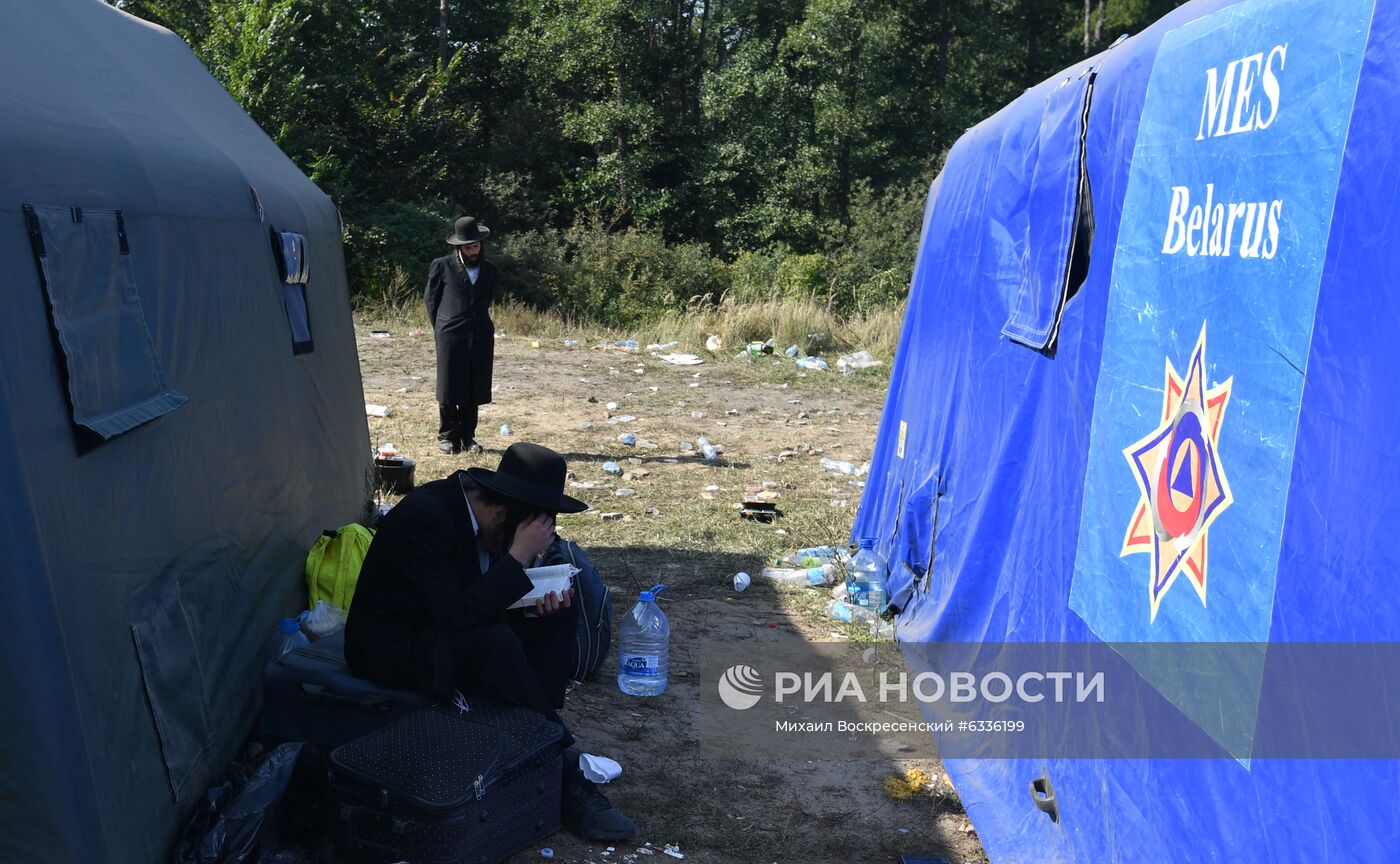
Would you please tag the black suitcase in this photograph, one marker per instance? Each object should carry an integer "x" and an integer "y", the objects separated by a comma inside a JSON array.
[
  {"x": 310, "y": 695},
  {"x": 447, "y": 786}
]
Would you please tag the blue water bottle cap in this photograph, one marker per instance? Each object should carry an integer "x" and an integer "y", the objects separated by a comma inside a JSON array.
[
  {"x": 288, "y": 625},
  {"x": 866, "y": 543},
  {"x": 649, "y": 596}
]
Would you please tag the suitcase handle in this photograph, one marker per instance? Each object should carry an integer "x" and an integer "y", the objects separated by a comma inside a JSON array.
[{"x": 369, "y": 703}]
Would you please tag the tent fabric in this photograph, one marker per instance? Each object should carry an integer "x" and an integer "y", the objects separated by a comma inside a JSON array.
[
  {"x": 982, "y": 489},
  {"x": 144, "y": 572}
]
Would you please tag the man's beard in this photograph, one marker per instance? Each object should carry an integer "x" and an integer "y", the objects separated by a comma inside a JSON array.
[
  {"x": 496, "y": 539},
  {"x": 471, "y": 259}
]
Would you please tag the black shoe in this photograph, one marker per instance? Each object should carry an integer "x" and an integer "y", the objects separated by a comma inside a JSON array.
[
  {"x": 587, "y": 813},
  {"x": 473, "y": 447},
  {"x": 448, "y": 447}
]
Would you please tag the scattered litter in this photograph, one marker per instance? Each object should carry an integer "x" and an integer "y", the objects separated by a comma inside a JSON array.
[
  {"x": 693, "y": 384},
  {"x": 686, "y": 446},
  {"x": 756, "y": 350},
  {"x": 625, "y": 493},
  {"x": 586, "y": 484},
  {"x": 546, "y": 852},
  {"x": 849, "y": 363},
  {"x": 627, "y": 438},
  {"x": 646, "y": 444},
  {"x": 379, "y": 334},
  {"x": 792, "y": 351},
  {"x": 401, "y": 390},
  {"x": 535, "y": 343},
  {"x": 712, "y": 488},
  {"x": 640, "y": 370},
  {"x": 679, "y": 359},
  {"x": 418, "y": 333},
  {"x": 741, "y": 581},
  {"x": 714, "y": 343},
  {"x": 612, "y": 467},
  {"x": 609, "y": 517},
  {"x": 652, "y": 511},
  {"x": 733, "y": 412},
  {"x": 673, "y": 850},
  {"x": 611, "y": 406},
  {"x": 663, "y": 346},
  {"x": 840, "y": 467},
  {"x": 813, "y": 363},
  {"x": 645, "y": 851},
  {"x": 505, "y": 430},
  {"x": 621, "y": 418},
  {"x": 623, "y": 345},
  {"x": 697, "y": 414},
  {"x": 707, "y": 450},
  {"x": 373, "y": 410},
  {"x": 585, "y": 426},
  {"x": 599, "y": 769},
  {"x": 570, "y": 343},
  {"x": 633, "y": 460}
]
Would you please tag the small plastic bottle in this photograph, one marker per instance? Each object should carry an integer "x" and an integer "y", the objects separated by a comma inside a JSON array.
[
  {"x": 288, "y": 638},
  {"x": 644, "y": 647},
  {"x": 707, "y": 450},
  {"x": 818, "y": 575}
]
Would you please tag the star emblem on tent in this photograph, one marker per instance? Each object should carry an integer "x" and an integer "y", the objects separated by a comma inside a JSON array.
[{"x": 1181, "y": 479}]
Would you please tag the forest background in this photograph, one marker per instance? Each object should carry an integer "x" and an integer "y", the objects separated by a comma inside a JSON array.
[{"x": 636, "y": 158}]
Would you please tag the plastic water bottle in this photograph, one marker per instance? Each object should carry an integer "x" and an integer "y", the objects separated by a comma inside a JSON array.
[
  {"x": 288, "y": 638},
  {"x": 865, "y": 578},
  {"x": 643, "y": 640},
  {"x": 841, "y": 611},
  {"x": 707, "y": 450},
  {"x": 820, "y": 574}
]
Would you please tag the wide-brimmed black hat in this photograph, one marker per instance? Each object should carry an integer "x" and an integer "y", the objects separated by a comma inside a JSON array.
[
  {"x": 530, "y": 474},
  {"x": 465, "y": 231}
]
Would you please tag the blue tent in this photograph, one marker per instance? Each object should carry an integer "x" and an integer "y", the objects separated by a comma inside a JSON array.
[{"x": 1141, "y": 397}]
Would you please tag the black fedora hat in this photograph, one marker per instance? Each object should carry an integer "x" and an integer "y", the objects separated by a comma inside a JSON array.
[
  {"x": 533, "y": 475},
  {"x": 466, "y": 231}
]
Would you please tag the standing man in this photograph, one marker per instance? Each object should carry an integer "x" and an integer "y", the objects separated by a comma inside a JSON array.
[{"x": 460, "y": 289}]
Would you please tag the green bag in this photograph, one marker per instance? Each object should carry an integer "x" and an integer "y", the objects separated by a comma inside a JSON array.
[{"x": 333, "y": 565}]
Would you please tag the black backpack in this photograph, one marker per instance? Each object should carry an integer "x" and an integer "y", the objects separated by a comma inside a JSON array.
[{"x": 595, "y": 609}]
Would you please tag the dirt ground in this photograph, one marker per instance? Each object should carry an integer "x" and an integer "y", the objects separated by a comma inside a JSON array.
[{"x": 680, "y": 525}]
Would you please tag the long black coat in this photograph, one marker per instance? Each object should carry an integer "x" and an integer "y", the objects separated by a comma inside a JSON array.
[
  {"x": 420, "y": 586},
  {"x": 460, "y": 313}
]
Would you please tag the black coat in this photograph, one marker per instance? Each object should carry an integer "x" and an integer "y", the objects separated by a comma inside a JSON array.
[
  {"x": 460, "y": 313},
  {"x": 420, "y": 584}
]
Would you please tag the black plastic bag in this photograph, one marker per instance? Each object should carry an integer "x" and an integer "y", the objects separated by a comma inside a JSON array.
[{"x": 242, "y": 828}]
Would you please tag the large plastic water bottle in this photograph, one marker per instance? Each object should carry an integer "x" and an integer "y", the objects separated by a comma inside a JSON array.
[
  {"x": 288, "y": 638},
  {"x": 644, "y": 640},
  {"x": 865, "y": 578}
]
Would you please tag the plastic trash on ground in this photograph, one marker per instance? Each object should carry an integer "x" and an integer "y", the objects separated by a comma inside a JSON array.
[
  {"x": 373, "y": 410},
  {"x": 679, "y": 359},
  {"x": 505, "y": 430},
  {"x": 840, "y": 467},
  {"x": 714, "y": 343},
  {"x": 819, "y": 575},
  {"x": 663, "y": 346},
  {"x": 859, "y": 360},
  {"x": 816, "y": 363},
  {"x": 741, "y": 581},
  {"x": 612, "y": 468},
  {"x": 627, "y": 438},
  {"x": 707, "y": 450},
  {"x": 248, "y": 825},
  {"x": 599, "y": 769}
]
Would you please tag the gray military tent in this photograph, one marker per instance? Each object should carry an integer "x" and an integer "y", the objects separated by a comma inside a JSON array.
[{"x": 178, "y": 420}]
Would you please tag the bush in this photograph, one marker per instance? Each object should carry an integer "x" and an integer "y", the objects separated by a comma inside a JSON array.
[{"x": 388, "y": 249}]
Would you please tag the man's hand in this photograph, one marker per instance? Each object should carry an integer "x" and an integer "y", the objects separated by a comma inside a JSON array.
[
  {"x": 532, "y": 538},
  {"x": 553, "y": 602}
]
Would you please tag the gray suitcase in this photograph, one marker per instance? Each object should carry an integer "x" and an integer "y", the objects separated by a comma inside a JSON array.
[{"x": 310, "y": 695}]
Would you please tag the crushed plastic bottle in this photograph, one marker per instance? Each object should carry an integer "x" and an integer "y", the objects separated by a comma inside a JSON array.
[
  {"x": 813, "y": 556},
  {"x": 505, "y": 430},
  {"x": 850, "y": 469},
  {"x": 612, "y": 468},
  {"x": 818, "y": 575},
  {"x": 627, "y": 438},
  {"x": 643, "y": 647},
  {"x": 840, "y": 610},
  {"x": 707, "y": 450}
]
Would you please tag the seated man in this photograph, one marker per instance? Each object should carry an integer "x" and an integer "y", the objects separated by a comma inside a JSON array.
[{"x": 430, "y": 610}]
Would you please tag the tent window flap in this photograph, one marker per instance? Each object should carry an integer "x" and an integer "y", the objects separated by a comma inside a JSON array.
[
  {"x": 115, "y": 383},
  {"x": 1058, "y": 214}
]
